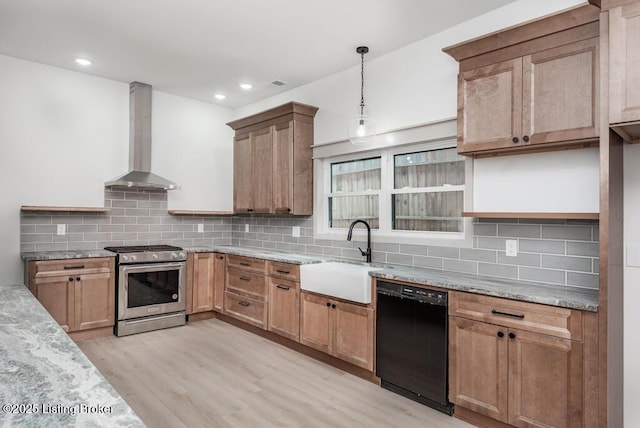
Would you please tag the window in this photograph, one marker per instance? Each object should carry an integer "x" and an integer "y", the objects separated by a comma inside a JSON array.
[
  {"x": 428, "y": 191},
  {"x": 355, "y": 192},
  {"x": 405, "y": 194}
]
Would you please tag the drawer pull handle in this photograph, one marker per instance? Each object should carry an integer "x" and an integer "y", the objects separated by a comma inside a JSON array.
[
  {"x": 245, "y": 278},
  {"x": 282, "y": 287},
  {"x": 507, "y": 314},
  {"x": 245, "y": 264},
  {"x": 286, "y": 272},
  {"x": 243, "y": 303},
  {"x": 74, "y": 267}
]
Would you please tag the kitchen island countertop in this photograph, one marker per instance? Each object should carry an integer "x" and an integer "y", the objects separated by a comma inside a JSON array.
[{"x": 45, "y": 378}]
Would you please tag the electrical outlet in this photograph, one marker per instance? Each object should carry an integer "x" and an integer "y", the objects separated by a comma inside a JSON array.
[
  {"x": 201, "y": 228},
  {"x": 246, "y": 228},
  {"x": 295, "y": 231},
  {"x": 511, "y": 248},
  {"x": 62, "y": 229}
]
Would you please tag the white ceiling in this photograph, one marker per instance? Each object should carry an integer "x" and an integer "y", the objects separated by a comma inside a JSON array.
[{"x": 195, "y": 48}]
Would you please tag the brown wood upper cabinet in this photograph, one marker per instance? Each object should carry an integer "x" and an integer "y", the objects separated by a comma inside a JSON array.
[
  {"x": 533, "y": 86},
  {"x": 273, "y": 166},
  {"x": 79, "y": 294},
  {"x": 624, "y": 70},
  {"x": 519, "y": 363}
]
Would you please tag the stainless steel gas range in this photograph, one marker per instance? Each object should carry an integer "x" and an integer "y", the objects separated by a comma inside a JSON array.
[{"x": 150, "y": 286}]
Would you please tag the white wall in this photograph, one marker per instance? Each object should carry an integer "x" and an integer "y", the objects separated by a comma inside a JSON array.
[
  {"x": 517, "y": 184},
  {"x": 193, "y": 147},
  {"x": 407, "y": 87},
  {"x": 631, "y": 286},
  {"x": 64, "y": 133}
]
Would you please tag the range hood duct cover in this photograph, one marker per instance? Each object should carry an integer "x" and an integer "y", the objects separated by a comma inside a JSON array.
[{"x": 140, "y": 175}]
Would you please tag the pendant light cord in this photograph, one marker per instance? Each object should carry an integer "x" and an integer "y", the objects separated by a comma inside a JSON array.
[{"x": 362, "y": 84}]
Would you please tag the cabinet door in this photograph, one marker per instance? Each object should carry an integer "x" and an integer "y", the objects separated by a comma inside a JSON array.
[
  {"x": 624, "y": 63},
  {"x": 56, "y": 294},
  {"x": 545, "y": 381},
  {"x": 560, "y": 95},
  {"x": 315, "y": 322},
  {"x": 283, "y": 168},
  {"x": 284, "y": 308},
  {"x": 94, "y": 301},
  {"x": 490, "y": 106},
  {"x": 242, "y": 181},
  {"x": 262, "y": 171},
  {"x": 478, "y": 367},
  {"x": 219, "y": 271},
  {"x": 203, "y": 282},
  {"x": 354, "y": 334}
]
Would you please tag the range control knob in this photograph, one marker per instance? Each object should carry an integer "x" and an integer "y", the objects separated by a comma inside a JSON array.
[
  {"x": 125, "y": 258},
  {"x": 154, "y": 256},
  {"x": 183, "y": 255},
  {"x": 134, "y": 258},
  {"x": 174, "y": 255}
]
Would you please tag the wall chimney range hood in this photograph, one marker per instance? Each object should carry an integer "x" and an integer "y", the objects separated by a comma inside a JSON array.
[{"x": 140, "y": 175}]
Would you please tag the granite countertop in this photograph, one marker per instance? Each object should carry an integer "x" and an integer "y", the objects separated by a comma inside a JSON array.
[
  {"x": 528, "y": 291},
  {"x": 45, "y": 379},
  {"x": 548, "y": 294},
  {"x": 267, "y": 254},
  {"x": 62, "y": 255}
]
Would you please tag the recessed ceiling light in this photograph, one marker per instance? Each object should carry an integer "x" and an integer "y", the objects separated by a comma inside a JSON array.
[
  {"x": 220, "y": 96},
  {"x": 246, "y": 86},
  {"x": 83, "y": 61}
]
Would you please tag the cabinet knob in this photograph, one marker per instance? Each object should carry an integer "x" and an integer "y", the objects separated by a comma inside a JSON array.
[
  {"x": 250, "y": 209},
  {"x": 512, "y": 335},
  {"x": 77, "y": 278},
  {"x": 333, "y": 306},
  {"x": 515, "y": 140},
  {"x": 328, "y": 304},
  {"x": 70, "y": 278},
  {"x": 525, "y": 138},
  {"x": 500, "y": 334}
]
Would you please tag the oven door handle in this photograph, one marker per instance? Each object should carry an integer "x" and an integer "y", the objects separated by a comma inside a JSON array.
[{"x": 152, "y": 267}]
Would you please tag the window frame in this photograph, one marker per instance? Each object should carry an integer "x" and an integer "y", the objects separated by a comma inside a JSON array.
[{"x": 386, "y": 233}]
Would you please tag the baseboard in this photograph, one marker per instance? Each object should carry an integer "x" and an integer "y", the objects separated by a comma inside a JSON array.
[
  {"x": 477, "y": 419},
  {"x": 201, "y": 316}
]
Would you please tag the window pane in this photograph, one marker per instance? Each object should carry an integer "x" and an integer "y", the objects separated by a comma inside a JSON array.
[
  {"x": 345, "y": 209},
  {"x": 435, "y": 212},
  {"x": 355, "y": 176},
  {"x": 431, "y": 168}
]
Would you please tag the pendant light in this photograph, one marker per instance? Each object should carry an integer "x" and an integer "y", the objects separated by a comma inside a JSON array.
[{"x": 362, "y": 129}]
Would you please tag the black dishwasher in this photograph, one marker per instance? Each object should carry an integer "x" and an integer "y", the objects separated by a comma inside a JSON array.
[{"x": 412, "y": 342}]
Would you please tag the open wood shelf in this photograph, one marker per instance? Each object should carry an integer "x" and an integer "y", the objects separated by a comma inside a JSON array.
[
  {"x": 52, "y": 208},
  {"x": 196, "y": 212},
  {"x": 533, "y": 215}
]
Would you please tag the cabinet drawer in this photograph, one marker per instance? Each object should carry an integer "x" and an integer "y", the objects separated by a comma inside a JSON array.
[
  {"x": 284, "y": 270},
  {"x": 551, "y": 320},
  {"x": 247, "y": 263},
  {"x": 246, "y": 309},
  {"x": 247, "y": 283},
  {"x": 71, "y": 266}
]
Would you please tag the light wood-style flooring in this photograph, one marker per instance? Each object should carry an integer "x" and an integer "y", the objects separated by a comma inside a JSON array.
[{"x": 212, "y": 374}]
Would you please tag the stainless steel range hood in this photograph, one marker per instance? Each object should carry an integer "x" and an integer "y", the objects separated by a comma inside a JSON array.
[{"x": 140, "y": 175}]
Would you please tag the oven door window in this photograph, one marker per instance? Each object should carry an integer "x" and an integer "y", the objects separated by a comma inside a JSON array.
[{"x": 152, "y": 288}]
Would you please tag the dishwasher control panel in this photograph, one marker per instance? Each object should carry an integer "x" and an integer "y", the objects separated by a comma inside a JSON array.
[{"x": 414, "y": 293}]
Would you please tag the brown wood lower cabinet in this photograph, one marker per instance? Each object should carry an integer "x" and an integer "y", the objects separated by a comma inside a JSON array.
[
  {"x": 344, "y": 330},
  {"x": 79, "y": 294},
  {"x": 284, "y": 308},
  {"x": 510, "y": 372},
  {"x": 246, "y": 309}
]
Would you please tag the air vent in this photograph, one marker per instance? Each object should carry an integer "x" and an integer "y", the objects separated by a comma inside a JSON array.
[{"x": 278, "y": 83}]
